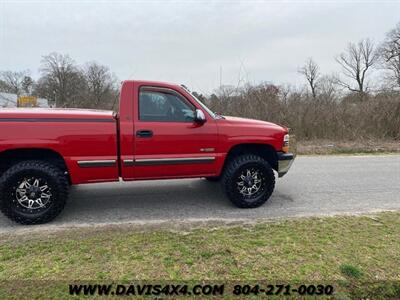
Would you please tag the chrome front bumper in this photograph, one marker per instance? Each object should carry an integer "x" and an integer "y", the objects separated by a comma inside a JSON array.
[{"x": 285, "y": 161}]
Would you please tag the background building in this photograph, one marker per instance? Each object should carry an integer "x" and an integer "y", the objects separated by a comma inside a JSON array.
[{"x": 11, "y": 100}]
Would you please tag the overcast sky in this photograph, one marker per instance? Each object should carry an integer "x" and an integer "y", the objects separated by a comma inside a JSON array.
[{"x": 191, "y": 41}]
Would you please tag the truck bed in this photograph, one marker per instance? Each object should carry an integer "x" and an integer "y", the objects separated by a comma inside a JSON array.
[{"x": 81, "y": 137}]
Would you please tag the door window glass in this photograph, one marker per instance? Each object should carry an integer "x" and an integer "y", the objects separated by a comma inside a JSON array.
[{"x": 164, "y": 107}]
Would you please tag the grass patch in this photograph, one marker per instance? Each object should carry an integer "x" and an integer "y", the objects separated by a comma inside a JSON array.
[
  {"x": 358, "y": 255},
  {"x": 350, "y": 271}
]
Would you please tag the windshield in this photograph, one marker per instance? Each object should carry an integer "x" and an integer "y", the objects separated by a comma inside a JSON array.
[{"x": 210, "y": 112}]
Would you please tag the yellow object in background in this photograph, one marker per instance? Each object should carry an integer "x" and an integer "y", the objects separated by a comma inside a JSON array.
[{"x": 27, "y": 101}]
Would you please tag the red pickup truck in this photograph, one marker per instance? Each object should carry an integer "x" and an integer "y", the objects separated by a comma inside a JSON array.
[{"x": 161, "y": 132}]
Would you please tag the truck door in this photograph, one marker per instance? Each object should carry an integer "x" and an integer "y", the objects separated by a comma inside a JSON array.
[{"x": 168, "y": 142}]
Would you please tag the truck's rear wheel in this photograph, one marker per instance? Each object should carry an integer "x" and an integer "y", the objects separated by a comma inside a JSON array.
[
  {"x": 248, "y": 181},
  {"x": 33, "y": 192}
]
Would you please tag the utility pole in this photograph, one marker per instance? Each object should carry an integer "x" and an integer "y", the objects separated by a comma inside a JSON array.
[
  {"x": 220, "y": 77},
  {"x": 55, "y": 98}
]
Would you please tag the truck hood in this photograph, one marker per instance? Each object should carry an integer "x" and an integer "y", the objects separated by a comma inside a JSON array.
[
  {"x": 55, "y": 113},
  {"x": 253, "y": 123}
]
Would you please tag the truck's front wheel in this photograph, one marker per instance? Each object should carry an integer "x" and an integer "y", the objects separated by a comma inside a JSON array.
[
  {"x": 248, "y": 181},
  {"x": 33, "y": 192}
]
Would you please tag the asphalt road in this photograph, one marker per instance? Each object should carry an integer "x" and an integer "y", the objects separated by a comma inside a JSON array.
[{"x": 316, "y": 185}]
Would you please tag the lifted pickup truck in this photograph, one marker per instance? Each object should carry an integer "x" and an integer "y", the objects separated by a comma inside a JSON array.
[{"x": 161, "y": 132}]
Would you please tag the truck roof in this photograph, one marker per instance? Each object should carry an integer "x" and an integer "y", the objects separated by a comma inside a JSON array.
[{"x": 156, "y": 83}]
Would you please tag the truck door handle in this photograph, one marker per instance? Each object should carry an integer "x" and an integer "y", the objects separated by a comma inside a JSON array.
[{"x": 144, "y": 133}]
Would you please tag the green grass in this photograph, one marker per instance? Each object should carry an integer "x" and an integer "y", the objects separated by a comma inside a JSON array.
[
  {"x": 360, "y": 256},
  {"x": 351, "y": 271}
]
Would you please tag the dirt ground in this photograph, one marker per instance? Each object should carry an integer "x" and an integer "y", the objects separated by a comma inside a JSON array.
[{"x": 350, "y": 147}]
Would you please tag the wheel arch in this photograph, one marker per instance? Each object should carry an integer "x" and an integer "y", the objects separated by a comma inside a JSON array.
[
  {"x": 10, "y": 157},
  {"x": 266, "y": 151}
]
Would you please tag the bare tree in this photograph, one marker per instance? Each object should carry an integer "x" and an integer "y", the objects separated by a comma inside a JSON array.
[
  {"x": 310, "y": 70},
  {"x": 61, "y": 80},
  {"x": 16, "y": 82},
  {"x": 355, "y": 63},
  {"x": 101, "y": 86},
  {"x": 327, "y": 87},
  {"x": 390, "y": 54}
]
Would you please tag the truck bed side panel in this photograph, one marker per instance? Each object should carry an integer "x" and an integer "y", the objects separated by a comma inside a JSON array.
[{"x": 89, "y": 147}]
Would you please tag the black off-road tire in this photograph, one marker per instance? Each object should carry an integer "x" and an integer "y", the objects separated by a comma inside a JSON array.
[
  {"x": 232, "y": 173},
  {"x": 213, "y": 179},
  {"x": 54, "y": 178}
]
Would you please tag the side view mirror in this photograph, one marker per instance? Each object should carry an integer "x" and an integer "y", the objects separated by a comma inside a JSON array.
[{"x": 199, "y": 116}]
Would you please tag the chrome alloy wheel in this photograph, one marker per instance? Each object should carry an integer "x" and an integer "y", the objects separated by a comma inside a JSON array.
[
  {"x": 249, "y": 182},
  {"x": 33, "y": 193}
]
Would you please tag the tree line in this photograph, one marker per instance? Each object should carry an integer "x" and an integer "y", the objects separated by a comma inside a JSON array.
[
  {"x": 357, "y": 64},
  {"x": 65, "y": 84},
  {"x": 362, "y": 101}
]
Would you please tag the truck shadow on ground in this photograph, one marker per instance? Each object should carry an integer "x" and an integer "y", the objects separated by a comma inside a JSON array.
[{"x": 155, "y": 200}]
